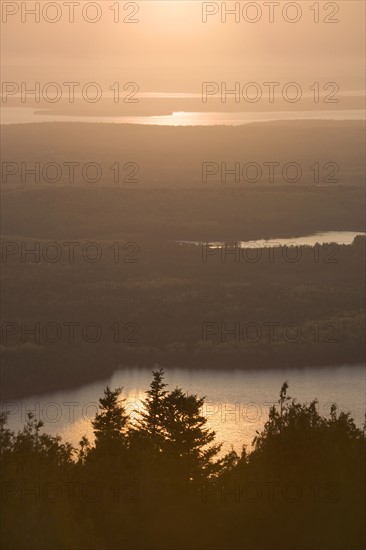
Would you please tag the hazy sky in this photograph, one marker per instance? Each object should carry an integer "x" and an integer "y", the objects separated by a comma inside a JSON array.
[{"x": 171, "y": 49}]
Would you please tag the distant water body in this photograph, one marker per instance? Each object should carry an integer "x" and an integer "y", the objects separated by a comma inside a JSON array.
[
  {"x": 338, "y": 237},
  {"x": 25, "y": 115},
  {"x": 237, "y": 401}
]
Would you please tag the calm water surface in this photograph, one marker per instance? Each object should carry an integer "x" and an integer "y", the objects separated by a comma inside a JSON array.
[
  {"x": 237, "y": 402},
  {"x": 338, "y": 237},
  {"x": 23, "y": 115}
]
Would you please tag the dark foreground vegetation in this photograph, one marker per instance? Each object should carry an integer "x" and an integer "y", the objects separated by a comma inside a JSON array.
[{"x": 157, "y": 482}]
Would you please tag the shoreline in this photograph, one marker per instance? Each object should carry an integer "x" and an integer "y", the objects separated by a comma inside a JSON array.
[{"x": 56, "y": 388}]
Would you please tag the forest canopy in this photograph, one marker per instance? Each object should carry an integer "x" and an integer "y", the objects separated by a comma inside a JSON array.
[{"x": 158, "y": 481}]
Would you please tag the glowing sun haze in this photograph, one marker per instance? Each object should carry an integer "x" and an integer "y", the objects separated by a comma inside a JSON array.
[{"x": 171, "y": 49}]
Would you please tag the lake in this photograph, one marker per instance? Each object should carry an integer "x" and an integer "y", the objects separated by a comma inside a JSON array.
[
  {"x": 237, "y": 401},
  {"x": 338, "y": 237},
  {"x": 23, "y": 115}
]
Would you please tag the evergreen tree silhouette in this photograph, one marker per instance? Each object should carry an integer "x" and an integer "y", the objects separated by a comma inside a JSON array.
[
  {"x": 151, "y": 421},
  {"x": 111, "y": 423},
  {"x": 322, "y": 457},
  {"x": 187, "y": 439}
]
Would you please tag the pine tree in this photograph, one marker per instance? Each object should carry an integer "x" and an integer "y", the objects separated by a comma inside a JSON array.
[
  {"x": 151, "y": 422},
  {"x": 110, "y": 424},
  {"x": 187, "y": 439}
]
